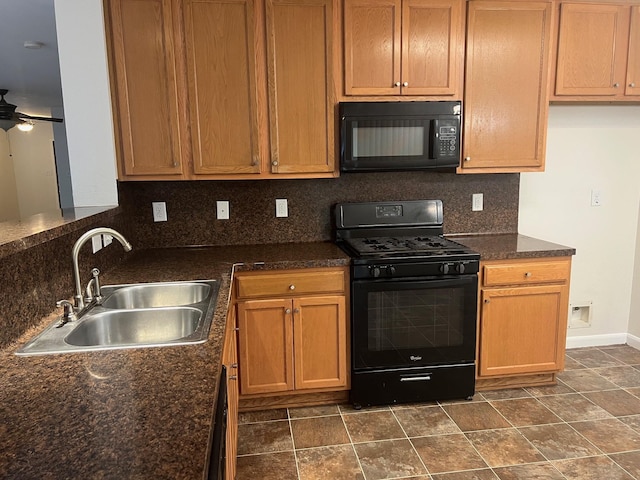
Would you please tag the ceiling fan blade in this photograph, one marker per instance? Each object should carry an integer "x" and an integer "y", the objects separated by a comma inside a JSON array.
[{"x": 32, "y": 117}]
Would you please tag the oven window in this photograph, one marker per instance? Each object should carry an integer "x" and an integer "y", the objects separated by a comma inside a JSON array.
[
  {"x": 409, "y": 319},
  {"x": 413, "y": 322}
]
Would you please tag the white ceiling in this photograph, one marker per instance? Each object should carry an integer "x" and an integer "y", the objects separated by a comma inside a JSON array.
[{"x": 31, "y": 76}]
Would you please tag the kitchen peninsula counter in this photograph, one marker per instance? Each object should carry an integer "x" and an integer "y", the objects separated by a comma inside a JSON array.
[{"x": 141, "y": 413}]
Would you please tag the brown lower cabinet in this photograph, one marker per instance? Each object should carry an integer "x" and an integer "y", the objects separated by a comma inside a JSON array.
[
  {"x": 230, "y": 360},
  {"x": 292, "y": 331},
  {"x": 522, "y": 321}
]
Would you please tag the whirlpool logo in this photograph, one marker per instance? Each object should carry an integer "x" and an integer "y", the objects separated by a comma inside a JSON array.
[{"x": 415, "y": 358}]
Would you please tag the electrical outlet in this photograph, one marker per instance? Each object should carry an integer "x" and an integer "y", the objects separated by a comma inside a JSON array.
[
  {"x": 282, "y": 209},
  {"x": 106, "y": 239},
  {"x": 96, "y": 243},
  {"x": 159, "y": 211},
  {"x": 222, "y": 210},
  {"x": 596, "y": 198},
  {"x": 477, "y": 202}
]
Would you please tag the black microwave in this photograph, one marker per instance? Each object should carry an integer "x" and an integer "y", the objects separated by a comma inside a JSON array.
[{"x": 388, "y": 136}]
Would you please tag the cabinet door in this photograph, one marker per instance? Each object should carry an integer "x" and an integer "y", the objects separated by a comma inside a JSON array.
[
  {"x": 432, "y": 47},
  {"x": 522, "y": 330},
  {"x": 633, "y": 63},
  {"x": 300, "y": 80},
  {"x": 265, "y": 339},
  {"x": 221, "y": 68},
  {"x": 592, "y": 47},
  {"x": 320, "y": 333},
  {"x": 372, "y": 35},
  {"x": 506, "y": 99},
  {"x": 230, "y": 360},
  {"x": 147, "y": 94}
]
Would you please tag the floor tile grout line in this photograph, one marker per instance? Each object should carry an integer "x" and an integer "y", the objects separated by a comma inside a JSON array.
[
  {"x": 293, "y": 444},
  {"x": 426, "y": 469},
  {"x": 353, "y": 447}
]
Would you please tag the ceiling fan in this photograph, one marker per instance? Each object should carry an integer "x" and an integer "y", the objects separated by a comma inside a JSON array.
[{"x": 9, "y": 118}]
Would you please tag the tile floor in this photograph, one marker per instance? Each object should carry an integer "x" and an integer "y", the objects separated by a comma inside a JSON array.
[{"x": 587, "y": 427}]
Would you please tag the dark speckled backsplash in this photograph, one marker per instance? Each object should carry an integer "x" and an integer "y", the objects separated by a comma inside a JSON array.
[{"x": 191, "y": 206}]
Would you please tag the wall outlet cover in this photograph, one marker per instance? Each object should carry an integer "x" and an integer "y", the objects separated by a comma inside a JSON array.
[
  {"x": 477, "y": 202},
  {"x": 282, "y": 208},
  {"x": 159, "y": 211},
  {"x": 96, "y": 243}
]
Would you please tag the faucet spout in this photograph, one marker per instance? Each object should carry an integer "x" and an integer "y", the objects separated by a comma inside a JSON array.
[{"x": 79, "y": 300}]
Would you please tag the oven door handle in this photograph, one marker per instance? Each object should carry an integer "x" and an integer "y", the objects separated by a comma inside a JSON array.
[{"x": 416, "y": 379}]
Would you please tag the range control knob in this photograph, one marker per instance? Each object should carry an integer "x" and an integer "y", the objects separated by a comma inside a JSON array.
[
  {"x": 375, "y": 271},
  {"x": 444, "y": 268},
  {"x": 460, "y": 267},
  {"x": 391, "y": 270}
]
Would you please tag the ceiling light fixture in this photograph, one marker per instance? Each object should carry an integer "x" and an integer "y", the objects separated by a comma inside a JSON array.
[
  {"x": 25, "y": 126},
  {"x": 33, "y": 45}
]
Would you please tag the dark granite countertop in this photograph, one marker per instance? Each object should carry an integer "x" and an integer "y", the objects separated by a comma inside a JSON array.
[
  {"x": 141, "y": 413},
  {"x": 512, "y": 245}
]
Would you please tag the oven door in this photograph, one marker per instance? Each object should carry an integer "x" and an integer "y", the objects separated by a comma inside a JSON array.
[{"x": 413, "y": 322}]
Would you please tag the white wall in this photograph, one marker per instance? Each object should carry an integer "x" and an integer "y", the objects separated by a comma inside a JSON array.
[
  {"x": 590, "y": 147},
  {"x": 634, "y": 318},
  {"x": 9, "y": 209},
  {"x": 35, "y": 169},
  {"x": 87, "y": 101}
]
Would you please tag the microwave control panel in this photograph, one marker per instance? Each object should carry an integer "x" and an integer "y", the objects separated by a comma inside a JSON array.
[{"x": 446, "y": 139}]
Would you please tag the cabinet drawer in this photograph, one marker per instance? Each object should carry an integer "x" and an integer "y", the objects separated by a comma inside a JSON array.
[
  {"x": 523, "y": 273},
  {"x": 298, "y": 283}
]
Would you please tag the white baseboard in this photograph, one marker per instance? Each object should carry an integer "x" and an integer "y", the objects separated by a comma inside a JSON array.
[{"x": 602, "y": 340}]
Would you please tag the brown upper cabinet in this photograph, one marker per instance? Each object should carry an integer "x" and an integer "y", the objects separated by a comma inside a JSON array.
[
  {"x": 245, "y": 88},
  {"x": 403, "y": 47},
  {"x": 598, "y": 52},
  {"x": 148, "y": 97},
  {"x": 506, "y": 94}
]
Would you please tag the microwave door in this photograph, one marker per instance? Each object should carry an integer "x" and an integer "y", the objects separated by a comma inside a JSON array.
[{"x": 386, "y": 144}]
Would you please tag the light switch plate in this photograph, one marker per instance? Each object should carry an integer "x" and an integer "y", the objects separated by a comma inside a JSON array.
[
  {"x": 477, "y": 202},
  {"x": 96, "y": 243},
  {"x": 282, "y": 209},
  {"x": 596, "y": 198},
  {"x": 222, "y": 210}
]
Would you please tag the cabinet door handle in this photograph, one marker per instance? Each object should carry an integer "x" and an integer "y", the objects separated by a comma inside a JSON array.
[
  {"x": 233, "y": 377},
  {"x": 274, "y": 163},
  {"x": 616, "y": 85},
  {"x": 397, "y": 84},
  {"x": 405, "y": 84},
  {"x": 234, "y": 365},
  {"x": 292, "y": 287},
  {"x": 467, "y": 159},
  {"x": 527, "y": 274},
  {"x": 486, "y": 300},
  {"x": 632, "y": 84},
  {"x": 296, "y": 310},
  {"x": 287, "y": 311}
]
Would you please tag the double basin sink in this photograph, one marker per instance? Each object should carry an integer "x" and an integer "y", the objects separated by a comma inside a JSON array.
[{"x": 135, "y": 315}]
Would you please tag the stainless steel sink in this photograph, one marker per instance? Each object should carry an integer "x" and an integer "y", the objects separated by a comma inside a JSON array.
[
  {"x": 156, "y": 295},
  {"x": 135, "y": 315},
  {"x": 136, "y": 327}
]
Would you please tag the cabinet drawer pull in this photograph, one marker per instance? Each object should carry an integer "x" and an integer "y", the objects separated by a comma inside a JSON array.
[
  {"x": 527, "y": 274},
  {"x": 416, "y": 379},
  {"x": 292, "y": 287}
]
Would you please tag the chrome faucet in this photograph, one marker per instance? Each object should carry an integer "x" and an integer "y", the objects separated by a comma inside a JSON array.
[{"x": 78, "y": 299}]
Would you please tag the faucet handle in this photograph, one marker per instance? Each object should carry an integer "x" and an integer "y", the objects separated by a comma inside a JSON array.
[{"x": 69, "y": 314}]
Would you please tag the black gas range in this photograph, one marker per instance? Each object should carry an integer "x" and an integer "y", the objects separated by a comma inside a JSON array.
[{"x": 413, "y": 303}]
